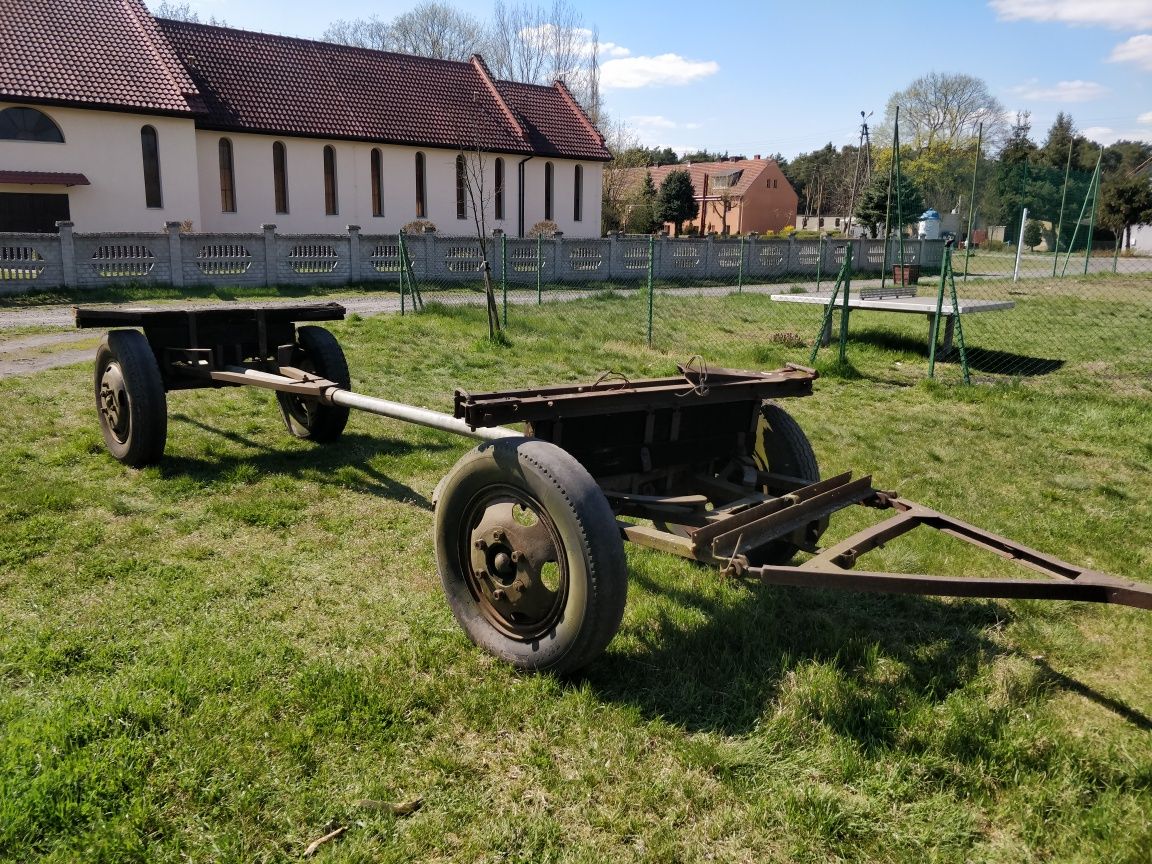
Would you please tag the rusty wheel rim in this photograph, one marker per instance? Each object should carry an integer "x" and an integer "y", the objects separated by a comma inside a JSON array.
[
  {"x": 114, "y": 405},
  {"x": 514, "y": 563}
]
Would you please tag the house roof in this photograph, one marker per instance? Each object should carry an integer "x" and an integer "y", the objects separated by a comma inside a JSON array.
[
  {"x": 258, "y": 82},
  {"x": 95, "y": 53},
  {"x": 553, "y": 121},
  {"x": 748, "y": 171}
]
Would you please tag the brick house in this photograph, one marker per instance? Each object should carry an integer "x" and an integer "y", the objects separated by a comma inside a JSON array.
[
  {"x": 119, "y": 121},
  {"x": 737, "y": 196}
]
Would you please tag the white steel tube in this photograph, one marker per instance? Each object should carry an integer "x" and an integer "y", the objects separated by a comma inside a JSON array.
[{"x": 412, "y": 414}]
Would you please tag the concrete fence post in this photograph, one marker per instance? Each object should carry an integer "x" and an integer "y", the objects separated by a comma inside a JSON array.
[
  {"x": 354, "y": 253},
  {"x": 175, "y": 254},
  {"x": 270, "y": 271},
  {"x": 67, "y": 254}
]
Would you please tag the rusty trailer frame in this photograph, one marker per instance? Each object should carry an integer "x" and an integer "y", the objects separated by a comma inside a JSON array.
[{"x": 704, "y": 464}]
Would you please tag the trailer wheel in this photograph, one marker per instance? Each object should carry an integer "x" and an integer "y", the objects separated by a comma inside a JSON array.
[
  {"x": 783, "y": 448},
  {"x": 316, "y": 351},
  {"x": 130, "y": 398},
  {"x": 530, "y": 555}
]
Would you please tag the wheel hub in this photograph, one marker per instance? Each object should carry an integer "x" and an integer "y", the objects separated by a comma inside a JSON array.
[
  {"x": 114, "y": 402},
  {"x": 514, "y": 567}
]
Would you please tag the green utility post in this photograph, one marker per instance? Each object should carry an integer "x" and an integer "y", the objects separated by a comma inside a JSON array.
[
  {"x": 1092, "y": 217},
  {"x": 892, "y": 175},
  {"x": 651, "y": 254},
  {"x": 948, "y": 279},
  {"x": 539, "y": 268},
  {"x": 844, "y": 309},
  {"x": 504, "y": 273},
  {"x": 844, "y": 278},
  {"x": 1063, "y": 199},
  {"x": 819, "y": 258},
  {"x": 740, "y": 271},
  {"x": 972, "y": 201},
  {"x": 1093, "y": 188},
  {"x": 403, "y": 269}
]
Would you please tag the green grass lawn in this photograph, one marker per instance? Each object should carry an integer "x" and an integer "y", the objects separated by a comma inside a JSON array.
[{"x": 225, "y": 657}]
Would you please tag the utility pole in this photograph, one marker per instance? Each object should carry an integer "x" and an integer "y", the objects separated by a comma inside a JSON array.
[{"x": 864, "y": 145}]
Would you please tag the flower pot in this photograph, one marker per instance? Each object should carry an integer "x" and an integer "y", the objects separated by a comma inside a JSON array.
[{"x": 906, "y": 274}]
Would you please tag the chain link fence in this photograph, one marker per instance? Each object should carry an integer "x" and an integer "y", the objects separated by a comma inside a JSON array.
[{"x": 993, "y": 311}]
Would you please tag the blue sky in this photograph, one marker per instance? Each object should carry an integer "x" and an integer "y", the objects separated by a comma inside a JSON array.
[{"x": 765, "y": 77}]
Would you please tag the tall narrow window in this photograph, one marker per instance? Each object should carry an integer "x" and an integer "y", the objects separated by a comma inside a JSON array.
[
  {"x": 461, "y": 188},
  {"x": 377, "y": 182},
  {"x": 547, "y": 190},
  {"x": 499, "y": 196},
  {"x": 578, "y": 194},
  {"x": 280, "y": 175},
  {"x": 421, "y": 197},
  {"x": 227, "y": 178},
  {"x": 150, "y": 147},
  {"x": 331, "y": 204}
]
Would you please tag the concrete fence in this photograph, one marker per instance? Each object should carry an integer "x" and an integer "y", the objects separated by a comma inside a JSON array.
[{"x": 72, "y": 260}]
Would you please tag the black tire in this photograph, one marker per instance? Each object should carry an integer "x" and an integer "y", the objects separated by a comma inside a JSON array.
[
  {"x": 130, "y": 400},
  {"x": 316, "y": 351},
  {"x": 530, "y": 555},
  {"x": 783, "y": 448}
]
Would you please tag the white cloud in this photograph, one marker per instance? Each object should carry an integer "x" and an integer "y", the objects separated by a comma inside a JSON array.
[
  {"x": 1136, "y": 50},
  {"x": 1145, "y": 119},
  {"x": 1062, "y": 91},
  {"x": 630, "y": 73},
  {"x": 1117, "y": 14},
  {"x": 658, "y": 121},
  {"x": 1101, "y": 134},
  {"x": 652, "y": 121}
]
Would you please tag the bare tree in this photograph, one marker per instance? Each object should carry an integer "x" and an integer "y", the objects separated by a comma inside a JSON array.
[
  {"x": 944, "y": 109},
  {"x": 535, "y": 44},
  {"x": 183, "y": 11},
  {"x": 361, "y": 32},
  {"x": 430, "y": 30},
  {"x": 474, "y": 179}
]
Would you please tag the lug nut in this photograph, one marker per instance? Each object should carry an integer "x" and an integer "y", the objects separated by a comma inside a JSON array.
[
  {"x": 481, "y": 545},
  {"x": 517, "y": 556},
  {"x": 499, "y": 594},
  {"x": 498, "y": 534}
]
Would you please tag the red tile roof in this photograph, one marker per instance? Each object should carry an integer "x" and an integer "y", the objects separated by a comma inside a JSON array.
[
  {"x": 750, "y": 171},
  {"x": 44, "y": 178},
  {"x": 553, "y": 121},
  {"x": 106, "y": 53},
  {"x": 257, "y": 82}
]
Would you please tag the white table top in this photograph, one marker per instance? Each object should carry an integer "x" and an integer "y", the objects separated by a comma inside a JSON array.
[{"x": 925, "y": 305}]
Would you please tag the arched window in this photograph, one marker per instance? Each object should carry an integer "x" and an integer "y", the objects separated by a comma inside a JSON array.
[
  {"x": 499, "y": 196},
  {"x": 150, "y": 148},
  {"x": 377, "y": 182},
  {"x": 280, "y": 175},
  {"x": 227, "y": 178},
  {"x": 331, "y": 203},
  {"x": 28, "y": 124},
  {"x": 578, "y": 194},
  {"x": 461, "y": 188},
  {"x": 421, "y": 191},
  {"x": 547, "y": 190}
]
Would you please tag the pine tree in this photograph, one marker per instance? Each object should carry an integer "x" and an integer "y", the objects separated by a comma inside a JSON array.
[{"x": 677, "y": 201}]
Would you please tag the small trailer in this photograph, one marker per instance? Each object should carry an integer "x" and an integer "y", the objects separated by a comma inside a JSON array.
[{"x": 529, "y": 526}]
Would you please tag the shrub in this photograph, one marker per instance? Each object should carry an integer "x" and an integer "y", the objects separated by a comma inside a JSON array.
[
  {"x": 544, "y": 228},
  {"x": 419, "y": 226}
]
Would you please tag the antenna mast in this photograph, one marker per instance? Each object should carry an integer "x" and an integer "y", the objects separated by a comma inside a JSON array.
[{"x": 864, "y": 145}]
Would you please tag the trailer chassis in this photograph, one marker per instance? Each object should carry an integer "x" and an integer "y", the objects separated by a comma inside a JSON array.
[{"x": 704, "y": 464}]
